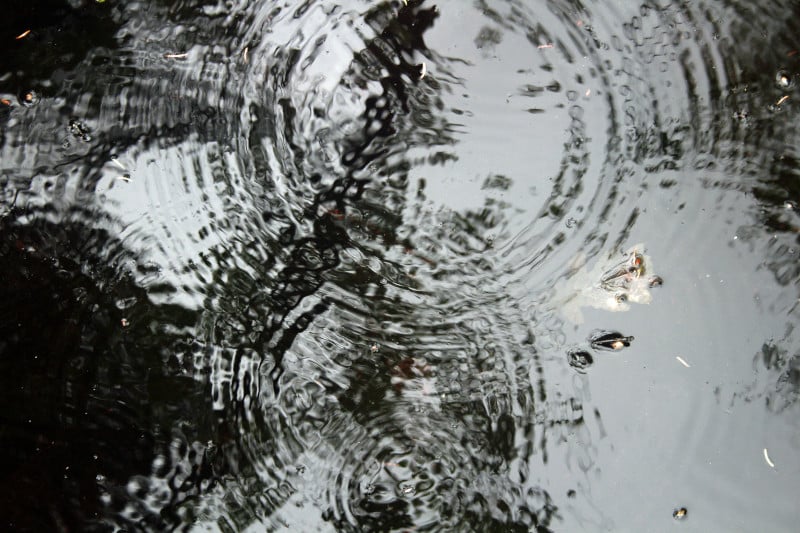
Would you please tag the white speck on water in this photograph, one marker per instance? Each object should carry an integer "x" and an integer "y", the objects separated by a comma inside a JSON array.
[{"x": 766, "y": 458}]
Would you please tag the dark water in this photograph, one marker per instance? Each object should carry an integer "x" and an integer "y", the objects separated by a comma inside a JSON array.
[{"x": 335, "y": 265}]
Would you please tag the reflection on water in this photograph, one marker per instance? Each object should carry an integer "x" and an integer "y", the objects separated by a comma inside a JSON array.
[{"x": 349, "y": 266}]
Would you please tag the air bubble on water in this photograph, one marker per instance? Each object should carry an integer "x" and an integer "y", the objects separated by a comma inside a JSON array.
[{"x": 30, "y": 98}]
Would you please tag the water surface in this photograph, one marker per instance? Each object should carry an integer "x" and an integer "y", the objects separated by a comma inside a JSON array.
[{"x": 338, "y": 266}]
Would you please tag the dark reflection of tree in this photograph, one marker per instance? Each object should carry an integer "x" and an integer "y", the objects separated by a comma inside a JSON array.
[
  {"x": 777, "y": 376},
  {"x": 264, "y": 314},
  {"x": 90, "y": 386},
  {"x": 61, "y": 35},
  {"x": 769, "y": 134}
]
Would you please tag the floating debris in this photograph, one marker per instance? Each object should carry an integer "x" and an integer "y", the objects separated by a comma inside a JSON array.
[
  {"x": 423, "y": 69},
  {"x": 681, "y": 361},
  {"x": 79, "y": 131},
  {"x": 609, "y": 340},
  {"x": 580, "y": 360},
  {"x": 124, "y": 322},
  {"x": 611, "y": 285},
  {"x": 176, "y": 56},
  {"x": 766, "y": 458},
  {"x": 680, "y": 513},
  {"x": 244, "y": 54},
  {"x": 23, "y": 35},
  {"x": 543, "y": 46}
]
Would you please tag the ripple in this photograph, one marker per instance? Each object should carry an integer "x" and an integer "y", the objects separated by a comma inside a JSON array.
[{"x": 343, "y": 227}]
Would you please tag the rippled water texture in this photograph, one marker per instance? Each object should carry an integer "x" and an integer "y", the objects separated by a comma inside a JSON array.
[{"x": 366, "y": 266}]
